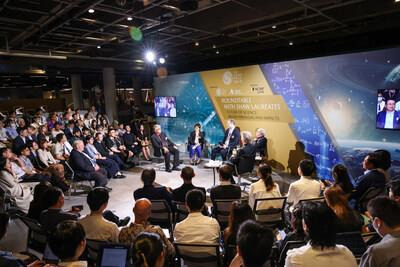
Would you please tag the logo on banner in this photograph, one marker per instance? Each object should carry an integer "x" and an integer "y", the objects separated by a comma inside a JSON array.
[{"x": 227, "y": 77}]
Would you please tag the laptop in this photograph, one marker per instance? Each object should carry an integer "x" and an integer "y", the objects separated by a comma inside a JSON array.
[{"x": 114, "y": 255}]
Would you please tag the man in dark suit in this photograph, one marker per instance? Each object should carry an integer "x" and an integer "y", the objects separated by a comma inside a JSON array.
[
  {"x": 245, "y": 157},
  {"x": 371, "y": 177},
  {"x": 179, "y": 194},
  {"x": 225, "y": 190},
  {"x": 231, "y": 141},
  {"x": 20, "y": 140},
  {"x": 69, "y": 130},
  {"x": 151, "y": 192},
  {"x": 85, "y": 168},
  {"x": 105, "y": 152},
  {"x": 388, "y": 118},
  {"x": 261, "y": 143},
  {"x": 162, "y": 144}
]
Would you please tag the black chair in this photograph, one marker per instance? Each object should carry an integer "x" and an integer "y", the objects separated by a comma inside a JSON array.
[
  {"x": 371, "y": 193},
  {"x": 244, "y": 169},
  {"x": 288, "y": 246},
  {"x": 198, "y": 254},
  {"x": 37, "y": 237},
  {"x": 318, "y": 199},
  {"x": 93, "y": 248},
  {"x": 7, "y": 204},
  {"x": 229, "y": 254},
  {"x": 77, "y": 181},
  {"x": 161, "y": 215},
  {"x": 221, "y": 211},
  {"x": 273, "y": 215},
  {"x": 181, "y": 211},
  {"x": 353, "y": 241}
]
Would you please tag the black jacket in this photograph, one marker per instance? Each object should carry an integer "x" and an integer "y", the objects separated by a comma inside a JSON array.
[
  {"x": 234, "y": 141},
  {"x": 261, "y": 146},
  {"x": 81, "y": 165},
  {"x": 245, "y": 158},
  {"x": 101, "y": 148},
  {"x": 151, "y": 192},
  {"x": 157, "y": 143},
  {"x": 179, "y": 194},
  {"x": 225, "y": 192},
  {"x": 192, "y": 138}
]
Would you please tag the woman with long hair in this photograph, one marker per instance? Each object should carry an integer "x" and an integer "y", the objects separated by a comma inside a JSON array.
[
  {"x": 264, "y": 188},
  {"x": 348, "y": 220},
  {"x": 143, "y": 141},
  {"x": 342, "y": 179},
  {"x": 195, "y": 144},
  {"x": 148, "y": 250}
]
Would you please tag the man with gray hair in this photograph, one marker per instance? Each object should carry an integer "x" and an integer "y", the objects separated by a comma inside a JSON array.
[
  {"x": 231, "y": 140},
  {"x": 245, "y": 156},
  {"x": 162, "y": 144},
  {"x": 261, "y": 143},
  {"x": 85, "y": 168}
]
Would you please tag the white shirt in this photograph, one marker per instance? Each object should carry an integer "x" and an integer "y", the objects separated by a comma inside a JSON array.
[
  {"x": 307, "y": 256},
  {"x": 3, "y": 134},
  {"x": 98, "y": 228},
  {"x": 258, "y": 190},
  {"x": 228, "y": 136},
  {"x": 304, "y": 188},
  {"x": 197, "y": 228},
  {"x": 389, "y": 119}
]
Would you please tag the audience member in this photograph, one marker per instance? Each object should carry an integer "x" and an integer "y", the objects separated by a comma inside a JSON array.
[
  {"x": 264, "y": 188},
  {"x": 148, "y": 251},
  {"x": 105, "y": 152},
  {"x": 53, "y": 214},
  {"x": 306, "y": 187},
  {"x": 348, "y": 220},
  {"x": 342, "y": 179},
  {"x": 44, "y": 154},
  {"x": 68, "y": 242},
  {"x": 254, "y": 245},
  {"x": 129, "y": 140},
  {"x": 151, "y": 192},
  {"x": 34, "y": 157},
  {"x": 225, "y": 189},
  {"x": 321, "y": 250},
  {"x": 117, "y": 147},
  {"x": 143, "y": 142},
  {"x": 386, "y": 221},
  {"x": 187, "y": 174},
  {"x": 38, "y": 205},
  {"x": 384, "y": 162},
  {"x": 19, "y": 140},
  {"x": 61, "y": 150},
  {"x": 142, "y": 211},
  {"x": 394, "y": 190}
]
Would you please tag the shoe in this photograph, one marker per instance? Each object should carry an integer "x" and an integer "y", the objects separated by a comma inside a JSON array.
[
  {"x": 124, "y": 221},
  {"x": 108, "y": 188},
  {"x": 176, "y": 169},
  {"x": 168, "y": 170},
  {"x": 119, "y": 176}
]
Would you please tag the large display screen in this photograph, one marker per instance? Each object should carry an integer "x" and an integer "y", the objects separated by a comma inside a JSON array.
[
  {"x": 165, "y": 106},
  {"x": 388, "y": 109}
]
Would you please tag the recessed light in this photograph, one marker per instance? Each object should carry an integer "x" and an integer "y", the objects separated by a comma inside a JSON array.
[
  {"x": 91, "y": 10},
  {"x": 273, "y": 26},
  {"x": 214, "y": 46},
  {"x": 98, "y": 46},
  {"x": 196, "y": 44},
  {"x": 217, "y": 52},
  {"x": 129, "y": 18},
  {"x": 290, "y": 43}
]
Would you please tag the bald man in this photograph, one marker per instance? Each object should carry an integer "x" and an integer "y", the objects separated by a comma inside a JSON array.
[{"x": 142, "y": 211}]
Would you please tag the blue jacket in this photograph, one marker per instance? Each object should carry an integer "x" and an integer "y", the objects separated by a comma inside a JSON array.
[{"x": 381, "y": 119}]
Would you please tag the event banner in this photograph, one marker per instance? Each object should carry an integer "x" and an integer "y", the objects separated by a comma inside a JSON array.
[{"x": 328, "y": 103}]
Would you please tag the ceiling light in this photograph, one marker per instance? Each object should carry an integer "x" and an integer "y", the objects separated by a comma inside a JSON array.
[
  {"x": 396, "y": 1},
  {"x": 161, "y": 60},
  {"x": 273, "y": 26},
  {"x": 196, "y": 44},
  {"x": 290, "y": 43},
  {"x": 98, "y": 46},
  {"x": 150, "y": 56},
  {"x": 129, "y": 18},
  {"x": 91, "y": 10},
  {"x": 214, "y": 46},
  {"x": 217, "y": 52}
]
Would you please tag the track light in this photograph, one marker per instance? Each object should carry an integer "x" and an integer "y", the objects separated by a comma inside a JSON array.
[
  {"x": 161, "y": 60},
  {"x": 91, "y": 10},
  {"x": 150, "y": 56}
]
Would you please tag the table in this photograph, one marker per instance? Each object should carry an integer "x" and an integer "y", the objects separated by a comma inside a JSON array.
[{"x": 213, "y": 164}]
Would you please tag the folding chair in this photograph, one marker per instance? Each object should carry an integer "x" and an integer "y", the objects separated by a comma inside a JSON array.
[
  {"x": 198, "y": 254},
  {"x": 221, "y": 211},
  {"x": 37, "y": 237},
  {"x": 161, "y": 215},
  {"x": 270, "y": 211},
  {"x": 181, "y": 211}
]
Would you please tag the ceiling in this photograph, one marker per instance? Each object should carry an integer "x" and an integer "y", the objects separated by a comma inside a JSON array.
[{"x": 228, "y": 32}]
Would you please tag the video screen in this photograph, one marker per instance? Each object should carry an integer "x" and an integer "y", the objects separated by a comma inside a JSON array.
[
  {"x": 165, "y": 106},
  {"x": 388, "y": 109}
]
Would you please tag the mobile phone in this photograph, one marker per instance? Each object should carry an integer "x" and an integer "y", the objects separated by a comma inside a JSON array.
[{"x": 77, "y": 207}]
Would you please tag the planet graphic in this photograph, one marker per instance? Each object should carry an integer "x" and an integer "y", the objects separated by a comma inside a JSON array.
[{"x": 393, "y": 78}]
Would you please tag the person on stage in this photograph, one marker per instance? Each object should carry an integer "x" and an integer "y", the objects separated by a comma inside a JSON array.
[
  {"x": 162, "y": 144},
  {"x": 261, "y": 143},
  {"x": 195, "y": 144},
  {"x": 231, "y": 140}
]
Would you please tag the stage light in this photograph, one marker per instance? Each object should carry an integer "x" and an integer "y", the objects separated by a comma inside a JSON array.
[
  {"x": 196, "y": 44},
  {"x": 217, "y": 52},
  {"x": 290, "y": 43},
  {"x": 214, "y": 46},
  {"x": 273, "y": 26},
  {"x": 98, "y": 46},
  {"x": 91, "y": 10},
  {"x": 150, "y": 56},
  {"x": 396, "y": 1},
  {"x": 161, "y": 60},
  {"x": 129, "y": 18}
]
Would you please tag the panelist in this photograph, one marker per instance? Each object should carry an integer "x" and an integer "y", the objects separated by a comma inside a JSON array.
[
  {"x": 195, "y": 144},
  {"x": 245, "y": 156},
  {"x": 388, "y": 118},
  {"x": 231, "y": 140},
  {"x": 162, "y": 144},
  {"x": 261, "y": 143}
]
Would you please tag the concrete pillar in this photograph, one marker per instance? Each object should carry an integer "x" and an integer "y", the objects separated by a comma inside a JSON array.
[
  {"x": 110, "y": 94},
  {"x": 76, "y": 85},
  {"x": 137, "y": 86}
]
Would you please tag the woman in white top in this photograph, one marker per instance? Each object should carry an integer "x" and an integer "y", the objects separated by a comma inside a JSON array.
[
  {"x": 44, "y": 154},
  {"x": 264, "y": 188}
]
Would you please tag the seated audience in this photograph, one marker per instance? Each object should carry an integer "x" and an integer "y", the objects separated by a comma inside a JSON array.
[
  {"x": 68, "y": 242},
  {"x": 244, "y": 157},
  {"x": 77, "y": 135},
  {"x": 261, "y": 143},
  {"x": 263, "y": 188},
  {"x": 85, "y": 168},
  {"x": 69, "y": 129},
  {"x": 20, "y": 140},
  {"x": 197, "y": 228},
  {"x": 240, "y": 212},
  {"x": 162, "y": 145},
  {"x": 95, "y": 225},
  {"x": 342, "y": 179},
  {"x": 38, "y": 205},
  {"x": 384, "y": 162},
  {"x": 31, "y": 173},
  {"x": 371, "y": 178},
  {"x": 4, "y": 138},
  {"x": 225, "y": 190},
  {"x": 143, "y": 142},
  {"x": 254, "y": 245},
  {"x": 105, "y": 152},
  {"x": 56, "y": 130},
  {"x": 148, "y": 251},
  {"x": 306, "y": 187},
  {"x": 394, "y": 190},
  {"x": 44, "y": 154},
  {"x": 129, "y": 140},
  {"x": 348, "y": 220},
  {"x": 34, "y": 157},
  {"x": 321, "y": 250},
  {"x": 57, "y": 176},
  {"x": 11, "y": 129},
  {"x": 61, "y": 150},
  {"x": 18, "y": 194},
  {"x": 117, "y": 147},
  {"x": 42, "y": 134},
  {"x": 195, "y": 144},
  {"x": 53, "y": 214},
  {"x": 187, "y": 174},
  {"x": 151, "y": 192},
  {"x": 386, "y": 221},
  {"x": 142, "y": 211}
]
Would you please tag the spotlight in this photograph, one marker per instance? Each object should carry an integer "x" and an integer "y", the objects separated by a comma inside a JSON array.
[
  {"x": 91, "y": 10},
  {"x": 273, "y": 26},
  {"x": 217, "y": 52},
  {"x": 161, "y": 60},
  {"x": 214, "y": 46},
  {"x": 290, "y": 43},
  {"x": 129, "y": 18},
  {"x": 150, "y": 56},
  {"x": 196, "y": 44},
  {"x": 98, "y": 46}
]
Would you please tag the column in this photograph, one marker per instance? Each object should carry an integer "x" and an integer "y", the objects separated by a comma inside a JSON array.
[
  {"x": 76, "y": 85},
  {"x": 110, "y": 93}
]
